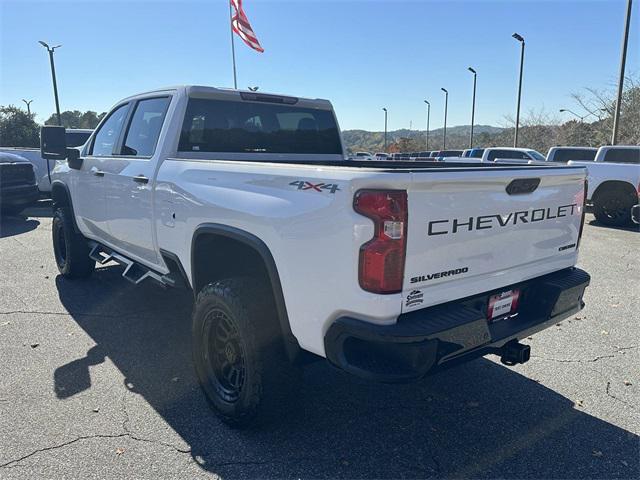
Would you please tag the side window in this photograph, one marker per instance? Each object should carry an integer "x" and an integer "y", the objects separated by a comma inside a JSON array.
[
  {"x": 107, "y": 136},
  {"x": 493, "y": 154},
  {"x": 145, "y": 126}
]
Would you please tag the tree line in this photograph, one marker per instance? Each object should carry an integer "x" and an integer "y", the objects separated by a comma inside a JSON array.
[
  {"x": 20, "y": 129},
  {"x": 539, "y": 130}
]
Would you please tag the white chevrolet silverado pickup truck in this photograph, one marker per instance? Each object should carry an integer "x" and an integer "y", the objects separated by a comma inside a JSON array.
[{"x": 390, "y": 270}]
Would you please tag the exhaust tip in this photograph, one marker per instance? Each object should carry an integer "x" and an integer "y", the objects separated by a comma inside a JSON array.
[{"x": 514, "y": 353}]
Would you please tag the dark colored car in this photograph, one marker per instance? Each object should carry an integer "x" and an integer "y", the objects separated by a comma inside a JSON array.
[
  {"x": 447, "y": 153},
  {"x": 18, "y": 188}
]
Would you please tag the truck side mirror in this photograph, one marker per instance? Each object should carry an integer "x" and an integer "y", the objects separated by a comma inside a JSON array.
[{"x": 53, "y": 142}]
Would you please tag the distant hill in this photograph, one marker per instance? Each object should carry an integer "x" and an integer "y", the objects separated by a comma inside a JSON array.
[{"x": 457, "y": 137}]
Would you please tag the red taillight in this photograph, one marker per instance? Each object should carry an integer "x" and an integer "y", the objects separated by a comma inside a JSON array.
[
  {"x": 381, "y": 267},
  {"x": 584, "y": 211}
]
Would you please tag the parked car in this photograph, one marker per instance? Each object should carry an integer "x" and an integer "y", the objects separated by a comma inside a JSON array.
[
  {"x": 564, "y": 154},
  {"x": 292, "y": 252},
  {"x": 18, "y": 187},
  {"x": 381, "y": 156},
  {"x": 474, "y": 153},
  {"x": 614, "y": 183},
  {"x": 76, "y": 137},
  {"x": 363, "y": 156}
]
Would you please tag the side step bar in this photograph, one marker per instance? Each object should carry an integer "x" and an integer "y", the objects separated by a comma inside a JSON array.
[{"x": 133, "y": 271}]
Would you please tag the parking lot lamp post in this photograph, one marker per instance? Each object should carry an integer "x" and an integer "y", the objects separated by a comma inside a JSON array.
[
  {"x": 521, "y": 40},
  {"x": 385, "y": 129},
  {"x": 53, "y": 76},
  {"x": 623, "y": 61},
  {"x": 444, "y": 133},
  {"x": 428, "y": 115},
  {"x": 473, "y": 105},
  {"x": 28, "y": 103},
  {"x": 562, "y": 110}
]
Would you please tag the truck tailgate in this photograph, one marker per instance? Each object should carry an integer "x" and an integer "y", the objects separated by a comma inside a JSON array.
[{"x": 472, "y": 231}]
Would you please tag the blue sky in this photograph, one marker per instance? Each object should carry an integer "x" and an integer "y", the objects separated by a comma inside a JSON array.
[{"x": 361, "y": 55}]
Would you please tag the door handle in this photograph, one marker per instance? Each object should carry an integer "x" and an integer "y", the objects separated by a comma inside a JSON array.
[
  {"x": 98, "y": 173},
  {"x": 140, "y": 179}
]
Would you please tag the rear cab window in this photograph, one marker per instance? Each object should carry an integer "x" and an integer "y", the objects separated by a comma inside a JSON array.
[
  {"x": 76, "y": 139},
  {"x": 507, "y": 154},
  {"x": 622, "y": 155},
  {"x": 565, "y": 155},
  {"x": 236, "y": 126}
]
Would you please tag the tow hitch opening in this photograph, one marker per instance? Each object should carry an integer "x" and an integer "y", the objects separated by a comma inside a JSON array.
[{"x": 514, "y": 352}]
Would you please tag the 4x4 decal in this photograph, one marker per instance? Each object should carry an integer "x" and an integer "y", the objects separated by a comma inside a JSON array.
[{"x": 315, "y": 187}]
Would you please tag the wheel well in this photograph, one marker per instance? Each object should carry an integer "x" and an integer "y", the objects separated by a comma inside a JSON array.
[
  {"x": 610, "y": 185},
  {"x": 221, "y": 252},
  {"x": 61, "y": 198},
  {"x": 60, "y": 195},
  {"x": 216, "y": 257}
]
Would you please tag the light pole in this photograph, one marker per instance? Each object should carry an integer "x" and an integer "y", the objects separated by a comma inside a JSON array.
[
  {"x": 444, "y": 133},
  {"x": 521, "y": 40},
  {"x": 53, "y": 76},
  {"x": 28, "y": 103},
  {"x": 473, "y": 105},
  {"x": 623, "y": 61},
  {"x": 428, "y": 115},
  {"x": 385, "y": 129}
]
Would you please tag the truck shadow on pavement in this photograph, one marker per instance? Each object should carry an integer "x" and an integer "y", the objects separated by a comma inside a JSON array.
[
  {"x": 479, "y": 420},
  {"x": 11, "y": 225}
]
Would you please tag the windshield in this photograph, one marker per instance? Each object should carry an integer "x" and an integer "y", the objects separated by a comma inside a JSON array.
[
  {"x": 252, "y": 127},
  {"x": 536, "y": 155}
]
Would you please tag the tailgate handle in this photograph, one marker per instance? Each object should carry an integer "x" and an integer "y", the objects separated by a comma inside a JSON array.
[{"x": 520, "y": 186}]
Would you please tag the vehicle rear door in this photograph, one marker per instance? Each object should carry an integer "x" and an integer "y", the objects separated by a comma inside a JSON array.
[{"x": 129, "y": 176}]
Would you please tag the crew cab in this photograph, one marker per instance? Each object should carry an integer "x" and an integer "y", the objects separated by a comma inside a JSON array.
[
  {"x": 389, "y": 270},
  {"x": 75, "y": 137},
  {"x": 614, "y": 183}
]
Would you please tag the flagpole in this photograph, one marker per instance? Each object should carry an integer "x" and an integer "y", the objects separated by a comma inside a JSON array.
[{"x": 233, "y": 49}]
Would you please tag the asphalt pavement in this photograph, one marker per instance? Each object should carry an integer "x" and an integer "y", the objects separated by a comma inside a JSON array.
[{"x": 96, "y": 381}]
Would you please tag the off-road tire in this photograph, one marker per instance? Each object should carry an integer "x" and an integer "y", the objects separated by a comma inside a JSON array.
[
  {"x": 70, "y": 248},
  {"x": 235, "y": 328},
  {"x": 613, "y": 207}
]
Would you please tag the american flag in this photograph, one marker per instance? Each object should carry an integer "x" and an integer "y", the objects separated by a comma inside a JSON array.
[{"x": 240, "y": 24}]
